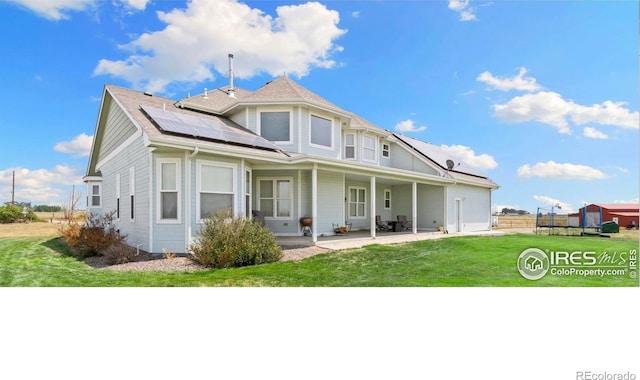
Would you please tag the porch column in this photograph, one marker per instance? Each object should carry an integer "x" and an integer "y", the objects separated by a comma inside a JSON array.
[
  {"x": 314, "y": 203},
  {"x": 372, "y": 208},
  {"x": 414, "y": 207}
]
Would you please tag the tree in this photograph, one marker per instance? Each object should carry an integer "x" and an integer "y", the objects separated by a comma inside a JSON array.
[{"x": 71, "y": 205}]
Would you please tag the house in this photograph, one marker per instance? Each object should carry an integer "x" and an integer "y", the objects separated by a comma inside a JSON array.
[{"x": 163, "y": 166}]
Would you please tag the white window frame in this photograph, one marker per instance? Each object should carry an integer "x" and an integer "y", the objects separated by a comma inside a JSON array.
[
  {"x": 354, "y": 146},
  {"x": 357, "y": 202},
  {"x": 118, "y": 197},
  {"x": 132, "y": 194},
  {"x": 275, "y": 197},
  {"x": 387, "y": 150},
  {"x": 159, "y": 190},
  {"x": 247, "y": 199},
  {"x": 234, "y": 171},
  {"x": 99, "y": 195},
  {"x": 331, "y": 126},
  {"x": 374, "y": 149},
  {"x": 387, "y": 199},
  {"x": 265, "y": 110}
]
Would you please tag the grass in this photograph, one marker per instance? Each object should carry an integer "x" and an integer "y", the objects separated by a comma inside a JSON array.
[{"x": 472, "y": 261}]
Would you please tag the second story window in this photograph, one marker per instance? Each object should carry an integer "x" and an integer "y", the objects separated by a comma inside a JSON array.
[
  {"x": 275, "y": 126},
  {"x": 321, "y": 132},
  {"x": 369, "y": 147},
  {"x": 386, "y": 152},
  {"x": 350, "y": 146}
]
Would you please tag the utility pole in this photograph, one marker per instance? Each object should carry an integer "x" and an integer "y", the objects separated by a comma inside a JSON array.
[{"x": 13, "y": 189}]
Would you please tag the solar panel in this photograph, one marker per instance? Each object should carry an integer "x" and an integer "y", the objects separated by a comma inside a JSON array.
[{"x": 212, "y": 128}]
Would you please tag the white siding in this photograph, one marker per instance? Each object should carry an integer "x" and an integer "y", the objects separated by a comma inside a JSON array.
[
  {"x": 135, "y": 156},
  {"x": 475, "y": 212},
  {"x": 331, "y": 205},
  {"x": 117, "y": 129}
]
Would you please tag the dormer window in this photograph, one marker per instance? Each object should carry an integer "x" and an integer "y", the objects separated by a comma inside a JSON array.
[{"x": 275, "y": 126}]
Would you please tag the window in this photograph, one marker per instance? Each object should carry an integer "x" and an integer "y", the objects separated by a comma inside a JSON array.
[
  {"x": 369, "y": 145},
  {"x": 386, "y": 152},
  {"x": 169, "y": 190},
  {"x": 387, "y": 199},
  {"x": 96, "y": 195},
  {"x": 216, "y": 187},
  {"x": 357, "y": 202},
  {"x": 275, "y": 126},
  {"x": 132, "y": 192},
  {"x": 275, "y": 197},
  {"x": 350, "y": 146},
  {"x": 321, "y": 132},
  {"x": 118, "y": 196},
  {"x": 247, "y": 193}
]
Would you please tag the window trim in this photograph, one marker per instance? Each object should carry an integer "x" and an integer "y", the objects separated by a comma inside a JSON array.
[
  {"x": 354, "y": 146},
  {"x": 159, "y": 191},
  {"x": 118, "y": 196},
  {"x": 259, "y": 123},
  {"x": 132, "y": 194},
  {"x": 234, "y": 169},
  {"x": 386, "y": 198},
  {"x": 387, "y": 151},
  {"x": 275, "y": 210},
  {"x": 375, "y": 148},
  {"x": 350, "y": 201},
  {"x": 99, "y": 195},
  {"x": 331, "y": 128}
]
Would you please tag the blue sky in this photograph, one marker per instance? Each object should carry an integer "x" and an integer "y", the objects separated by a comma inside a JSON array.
[{"x": 541, "y": 96}]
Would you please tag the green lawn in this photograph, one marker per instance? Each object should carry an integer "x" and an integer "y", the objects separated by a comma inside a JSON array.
[{"x": 456, "y": 261}]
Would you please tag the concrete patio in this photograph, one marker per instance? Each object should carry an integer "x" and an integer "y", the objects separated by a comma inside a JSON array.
[{"x": 358, "y": 239}]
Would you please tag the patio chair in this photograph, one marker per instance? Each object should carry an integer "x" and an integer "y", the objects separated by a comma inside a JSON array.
[
  {"x": 382, "y": 226},
  {"x": 405, "y": 225}
]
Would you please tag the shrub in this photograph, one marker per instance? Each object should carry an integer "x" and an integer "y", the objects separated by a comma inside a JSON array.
[
  {"x": 119, "y": 253},
  {"x": 10, "y": 213},
  {"x": 94, "y": 238},
  {"x": 225, "y": 241}
]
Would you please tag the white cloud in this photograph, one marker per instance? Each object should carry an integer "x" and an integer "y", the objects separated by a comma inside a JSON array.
[
  {"x": 551, "y": 108},
  {"x": 464, "y": 10},
  {"x": 559, "y": 207},
  {"x": 40, "y": 185},
  {"x": 197, "y": 40},
  {"x": 554, "y": 170},
  {"x": 409, "y": 126},
  {"x": 518, "y": 82},
  {"x": 59, "y": 9},
  {"x": 545, "y": 107},
  {"x": 355, "y": 14},
  {"x": 593, "y": 133},
  {"x": 469, "y": 157},
  {"x": 607, "y": 113},
  {"x": 80, "y": 146}
]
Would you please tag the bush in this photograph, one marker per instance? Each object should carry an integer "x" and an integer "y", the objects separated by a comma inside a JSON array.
[
  {"x": 10, "y": 213},
  {"x": 119, "y": 253},
  {"x": 225, "y": 241},
  {"x": 94, "y": 238}
]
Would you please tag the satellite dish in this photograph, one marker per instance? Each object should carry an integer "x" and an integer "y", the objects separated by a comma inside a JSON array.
[{"x": 450, "y": 164}]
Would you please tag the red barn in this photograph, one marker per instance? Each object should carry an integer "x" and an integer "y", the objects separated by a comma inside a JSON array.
[{"x": 625, "y": 214}]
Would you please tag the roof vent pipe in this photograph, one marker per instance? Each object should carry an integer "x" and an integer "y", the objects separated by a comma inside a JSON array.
[
  {"x": 231, "y": 91},
  {"x": 206, "y": 95}
]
